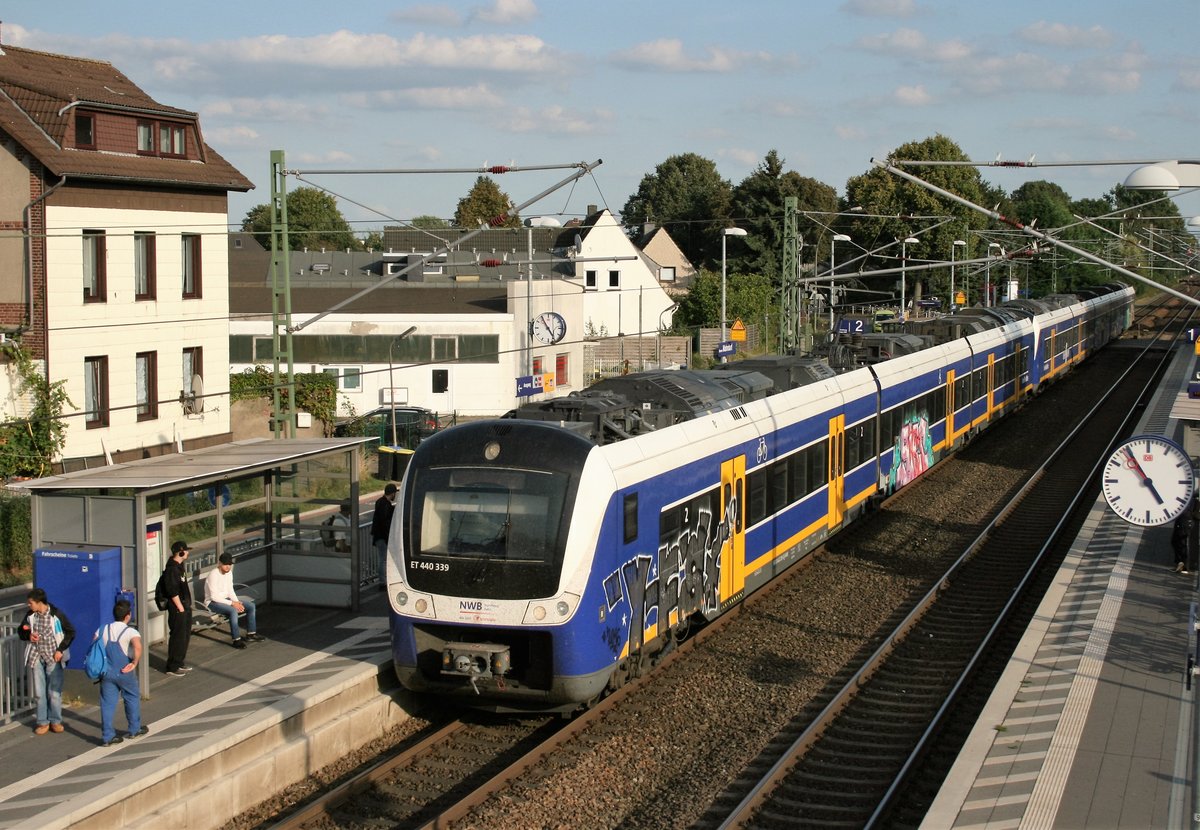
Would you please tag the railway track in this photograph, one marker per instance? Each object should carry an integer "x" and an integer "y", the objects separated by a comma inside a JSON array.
[{"x": 701, "y": 774}]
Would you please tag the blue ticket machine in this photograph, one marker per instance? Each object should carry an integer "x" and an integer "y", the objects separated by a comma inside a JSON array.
[{"x": 84, "y": 581}]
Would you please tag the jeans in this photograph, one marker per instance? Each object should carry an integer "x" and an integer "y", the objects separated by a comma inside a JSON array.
[
  {"x": 231, "y": 612},
  {"x": 47, "y": 685},
  {"x": 381, "y": 550},
  {"x": 115, "y": 684}
]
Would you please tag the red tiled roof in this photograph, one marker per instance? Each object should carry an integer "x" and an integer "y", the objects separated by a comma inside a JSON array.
[{"x": 37, "y": 90}]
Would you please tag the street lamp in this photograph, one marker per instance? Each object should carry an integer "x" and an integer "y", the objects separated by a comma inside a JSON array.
[
  {"x": 911, "y": 240},
  {"x": 392, "y": 380},
  {"x": 958, "y": 243},
  {"x": 725, "y": 234},
  {"x": 839, "y": 237},
  {"x": 987, "y": 295}
]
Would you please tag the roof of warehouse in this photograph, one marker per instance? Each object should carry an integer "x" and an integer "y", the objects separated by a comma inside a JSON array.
[{"x": 210, "y": 464}]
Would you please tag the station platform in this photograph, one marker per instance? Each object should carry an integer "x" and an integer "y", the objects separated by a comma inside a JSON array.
[
  {"x": 1093, "y": 723},
  {"x": 239, "y": 726}
]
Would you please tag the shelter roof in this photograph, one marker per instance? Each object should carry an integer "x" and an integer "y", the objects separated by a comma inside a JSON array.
[{"x": 197, "y": 467}]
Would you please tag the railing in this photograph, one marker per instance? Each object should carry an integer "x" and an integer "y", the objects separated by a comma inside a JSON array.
[{"x": 16, "y": 691}]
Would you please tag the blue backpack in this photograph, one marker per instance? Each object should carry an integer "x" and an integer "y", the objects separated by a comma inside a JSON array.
[{"x": 95, "y": 663}]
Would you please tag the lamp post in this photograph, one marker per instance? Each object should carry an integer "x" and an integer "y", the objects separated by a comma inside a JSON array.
[
  {"x": 838, "y": 237},
  {"x": 910, "y": 240},
  {"x": 987, "y": 291},
  {"x": 958, "y": 243},
  {"x": 725, "y": 234},
  {"x": 392, "y": 380}
]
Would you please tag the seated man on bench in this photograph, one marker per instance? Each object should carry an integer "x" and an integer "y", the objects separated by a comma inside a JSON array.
[{"x": 220, "y": 598}]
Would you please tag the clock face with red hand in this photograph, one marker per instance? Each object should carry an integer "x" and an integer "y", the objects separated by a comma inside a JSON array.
[{"x": 1148, "y": 480}]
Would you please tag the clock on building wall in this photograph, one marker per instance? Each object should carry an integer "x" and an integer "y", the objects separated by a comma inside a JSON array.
[
  {"x": 1148, "y": 480},
  {"x": 549, "y": 327}
]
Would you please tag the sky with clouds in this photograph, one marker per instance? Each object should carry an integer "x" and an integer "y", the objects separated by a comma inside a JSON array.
[{"x": 372, "y": 86}]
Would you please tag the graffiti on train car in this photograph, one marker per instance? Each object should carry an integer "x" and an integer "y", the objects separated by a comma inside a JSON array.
[
  {"x": 686, "y": 580},
  {"x": 912, "y": 454}
]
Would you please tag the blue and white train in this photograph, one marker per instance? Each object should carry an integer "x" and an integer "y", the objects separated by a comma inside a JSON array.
[{"x": 540, "y": 560}]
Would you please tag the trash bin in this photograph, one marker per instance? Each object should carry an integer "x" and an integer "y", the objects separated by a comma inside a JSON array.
[{"x": 393, "y": 461}]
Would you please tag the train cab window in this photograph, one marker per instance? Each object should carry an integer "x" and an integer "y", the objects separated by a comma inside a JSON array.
[{"x": 631, "y": 517}]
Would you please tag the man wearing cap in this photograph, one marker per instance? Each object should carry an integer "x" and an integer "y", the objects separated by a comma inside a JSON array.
[
  {"x": 220, "y": 597},
  {"x": 179, "y": 609},
  {"x": 381, "y": 524}
]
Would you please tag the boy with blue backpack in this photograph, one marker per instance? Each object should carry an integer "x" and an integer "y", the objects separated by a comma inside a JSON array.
[{"x": 123, "y": 645}]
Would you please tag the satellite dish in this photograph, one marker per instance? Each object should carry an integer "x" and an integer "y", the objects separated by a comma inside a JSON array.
[{"x": 193, "y": 402}]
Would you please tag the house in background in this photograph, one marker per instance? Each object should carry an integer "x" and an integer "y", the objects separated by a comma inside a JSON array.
[
  {"x": 673, "y": 269},
  {"x": 484, "y": 314},
  {"x": 113, "y": 257}
]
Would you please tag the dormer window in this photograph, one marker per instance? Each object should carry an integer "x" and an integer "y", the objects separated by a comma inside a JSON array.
[
  {"x": 85, "y": 131},
  {"x": 161, "y": 138}
]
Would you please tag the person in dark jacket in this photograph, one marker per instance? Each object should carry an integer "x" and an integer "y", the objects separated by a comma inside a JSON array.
[
  {"x": 49, "y": 634},
  {"x": 176, "y": 585},
  {"x": 381, "y": 524},
  {"x": 1181, "y": 536}
]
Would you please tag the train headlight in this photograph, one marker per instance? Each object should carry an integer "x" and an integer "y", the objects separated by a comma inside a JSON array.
[
  {"x": 562, "y": 608},
  {"x": 539, "y": 612},
  {"x": 422, "y": 606},
  {"x": 401, "y": 598}
]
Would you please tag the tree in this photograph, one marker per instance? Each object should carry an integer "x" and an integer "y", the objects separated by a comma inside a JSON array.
[
  {"x": 314, "y": 222},
  {"x": 483, "y": 205},
  {"x": 757, "y": 206},
  {"x": 373, "y": 241},
  {"x": 687, "y": 196},
  {"x": 430, "y": 223},
  {"x": 748, "y": 297},
  {"x": 895, "y": 209}
]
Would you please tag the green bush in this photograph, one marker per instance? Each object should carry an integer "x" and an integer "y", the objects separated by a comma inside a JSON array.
[{"x": 16, "y": 540}]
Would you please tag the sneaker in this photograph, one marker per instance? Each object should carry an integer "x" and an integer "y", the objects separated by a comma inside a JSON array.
[
  {"x": 1179, "y": 568},
  {"x": 42, "y": 729},
  {"x": 255, "y": 638},
  {"x": 140, "y": 732},
  {"x": 184, "y": 668},
  {"x": 56, "y": 728},
  {"x": 177, "y": 673},
  {"x": 118, "y": 739},
  {"x": 239, "y": 643}
]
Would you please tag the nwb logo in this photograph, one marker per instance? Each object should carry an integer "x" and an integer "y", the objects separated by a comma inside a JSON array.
[{"x": 470, "y": 605}]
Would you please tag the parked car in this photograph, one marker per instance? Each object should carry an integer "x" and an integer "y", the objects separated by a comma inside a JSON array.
[{"x": 413, "y": 424}]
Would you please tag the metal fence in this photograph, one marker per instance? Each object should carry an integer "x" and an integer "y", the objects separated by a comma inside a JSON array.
[{"x": 16, "y": 690}]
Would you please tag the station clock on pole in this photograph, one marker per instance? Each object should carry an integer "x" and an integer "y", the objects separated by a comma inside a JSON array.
[
  {"x": 549, "y": 327},
  {"x": 1148, "y": 480}
]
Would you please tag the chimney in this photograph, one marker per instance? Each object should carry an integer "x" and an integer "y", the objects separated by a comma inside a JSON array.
[{"x": 591, "y": 210}]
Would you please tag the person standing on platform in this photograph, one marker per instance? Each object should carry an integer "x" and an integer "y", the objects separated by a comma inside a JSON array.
[
  {"x": 179, "y": 609},
  {"x": 49, "y": 634},
  {"x": 1181, "y": 537},
  {"x": 219, "y": 596},
  {"x": 123, "y": 645},
  {"x": 341, "y": 528},
  {"x": 381, "y": 525}
]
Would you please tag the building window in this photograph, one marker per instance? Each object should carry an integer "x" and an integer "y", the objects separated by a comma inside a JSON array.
[
  {"x": 349, "y": 378},
  {"x": 538, "y": 367},
  {"x": 146, "y": 376},
  {"x": 145, "y": 136},
  {"x": 667, "y": 274},
  {"x": 94, "y": 259},
  {"x": 445, "y": 348},
  {"x": 614, "y": 279},
  {"x": 85, "y": 131},
  {"x": 161, "y": 138},
  {"x": 193, "y": 366},
  {"x": 145, "y": 265},
  {"x": 441, "y": 380},
  {"x": 589, "y": 280},
  {"x": 192, "y": 283},
  {"x": 560, "y": 369},
  {"x": 170, "y": 140},
  {"x": 95, "y": 391}
]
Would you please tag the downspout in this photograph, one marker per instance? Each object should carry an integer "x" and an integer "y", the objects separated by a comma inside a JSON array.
[{"x": 29, "y": 263}]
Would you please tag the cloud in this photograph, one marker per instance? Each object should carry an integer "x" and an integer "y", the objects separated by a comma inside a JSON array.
[
  {"x": 555, "y": 120},
  {"x": 328, "y": 157},
  {"x": 750, "y": 158},
  {"x": 1188, "y": 79},
  {"x": 265, "y": 109},
  {"x": 503, "y": 12},
  {"x": 912, "y": 44},
  {"x": 477, "y": 97},
  {"x": 1062, "y": 36},
  {"x": 912, "y": 96},
  {"x": 236, "y": 136},
  {"x": 850, "y": 132},
  {"x": 1119, "y": 133},
  {"x": 880, "y": 8},
  {"x": 667, "y": 55}
]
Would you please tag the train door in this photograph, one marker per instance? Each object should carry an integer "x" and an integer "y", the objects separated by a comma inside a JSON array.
[
  {"x": 990, "y": 402},
  {"x": 837, "y": 470},
  {"x": 733, "y": 512},
  {"x": 950, "y": 375}
]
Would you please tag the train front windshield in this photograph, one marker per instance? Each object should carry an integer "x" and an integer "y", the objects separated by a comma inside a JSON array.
[{"x": 490, "y": 533}]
